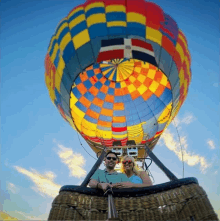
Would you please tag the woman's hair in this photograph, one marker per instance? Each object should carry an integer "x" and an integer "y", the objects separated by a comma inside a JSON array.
[{"x": 135, "y": 168}]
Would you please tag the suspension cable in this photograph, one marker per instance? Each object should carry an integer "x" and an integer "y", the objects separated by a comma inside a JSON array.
[
  {"x": 147, "y": 167},
  {"x": 150, "y": 175},
  {"x": 150, "y": 162},
  {"x": 180, "y": 144},
  {"x": 84, "y": 148}
]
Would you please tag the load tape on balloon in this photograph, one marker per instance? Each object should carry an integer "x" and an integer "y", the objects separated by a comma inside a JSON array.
[{"x": 118, "y": 71}]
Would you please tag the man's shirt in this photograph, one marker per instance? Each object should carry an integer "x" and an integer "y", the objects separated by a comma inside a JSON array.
[{"x": 103, "y": 176}]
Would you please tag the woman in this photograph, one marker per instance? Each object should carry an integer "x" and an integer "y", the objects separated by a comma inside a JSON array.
[{"x": 137, "y": 177}]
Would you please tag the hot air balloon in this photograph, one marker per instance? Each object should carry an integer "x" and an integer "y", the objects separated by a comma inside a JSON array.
[{"x": 118, "y": 71}]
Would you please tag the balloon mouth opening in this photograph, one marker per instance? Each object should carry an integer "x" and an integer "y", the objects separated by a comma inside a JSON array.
[{"x": 108, "y": 106}]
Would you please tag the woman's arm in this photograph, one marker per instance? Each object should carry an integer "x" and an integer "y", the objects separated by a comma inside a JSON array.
[
  {"x": 130, "y": 185},
  {"x": 146, "y": 179}
]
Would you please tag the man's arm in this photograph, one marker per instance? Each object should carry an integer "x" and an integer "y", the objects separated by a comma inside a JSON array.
[
  {"x": 94, "y": 179},
  {"x": 93, "y": 183},
  {"x": 97, "y": 185}
]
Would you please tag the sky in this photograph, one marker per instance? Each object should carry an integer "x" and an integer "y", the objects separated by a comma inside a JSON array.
[{"x": 40, "y": 152}]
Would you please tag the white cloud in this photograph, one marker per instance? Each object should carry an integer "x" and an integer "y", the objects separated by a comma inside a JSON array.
[
  {"x": 12, "y": 188},
  {"x": 44, "y": 183},
  {"x": 176, "y": 121},
  {"x": 5, "y": 216},
  {"x": 216, "y": 84},
  {"x": 190, "y": 158},
  {"x": 6, "y": 162},
  {"x": 74, "y": 161},
  {"x": 31, "y": 217},
  {"x": 211, "y": 144},
  {"x": 187, "y": 119},
  {"x": 216, "y": 172}
]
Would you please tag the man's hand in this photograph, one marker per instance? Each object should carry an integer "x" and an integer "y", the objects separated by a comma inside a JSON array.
[
  {"x": 104, "y": 186},
  {"x": 95, "y": 184}
]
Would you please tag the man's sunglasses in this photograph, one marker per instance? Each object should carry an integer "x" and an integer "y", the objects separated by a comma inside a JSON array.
[
  {"x": 113, "y": 158},
  {"x": 127, "y": 161}
]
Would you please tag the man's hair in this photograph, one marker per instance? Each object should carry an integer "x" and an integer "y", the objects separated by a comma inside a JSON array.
[{"x": 111, "y": 153}]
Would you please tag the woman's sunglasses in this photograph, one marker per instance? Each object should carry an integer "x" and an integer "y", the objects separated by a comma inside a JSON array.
[
  {"x": 127, "y": 161},
  {"x": 113, "y": 158}
]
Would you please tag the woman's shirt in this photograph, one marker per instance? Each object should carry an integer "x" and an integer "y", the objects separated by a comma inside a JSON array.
[{"x": 135, "y": 179}]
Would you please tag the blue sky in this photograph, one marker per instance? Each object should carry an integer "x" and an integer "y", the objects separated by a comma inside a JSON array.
[{"x": 37, "y": 144}]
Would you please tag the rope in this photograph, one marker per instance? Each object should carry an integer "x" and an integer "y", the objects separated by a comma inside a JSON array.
[
  {"x": 74, "y": 207},
  {"x": 147, "y": 167},
  {"x": 186, "y": 203},
  {"x": 146, "y": 163},
  {"x": 84, "y": 148},
  {"x": 180, "y": 144}
]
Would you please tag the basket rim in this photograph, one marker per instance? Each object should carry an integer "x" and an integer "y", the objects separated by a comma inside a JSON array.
[{"x": 132, "y": 192}]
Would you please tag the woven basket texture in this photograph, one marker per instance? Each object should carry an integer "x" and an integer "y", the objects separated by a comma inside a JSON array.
[{"x": 188, "y": 202}]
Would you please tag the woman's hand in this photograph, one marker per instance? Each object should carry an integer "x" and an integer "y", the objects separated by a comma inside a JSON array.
[
  {"x": 117, "y": 185},
  {"x": 127, "y": 185},
  {"x": 123, "y": 185}
]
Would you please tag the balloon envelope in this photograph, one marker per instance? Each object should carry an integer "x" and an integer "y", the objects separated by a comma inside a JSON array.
[{"x": 118, "y": 71}]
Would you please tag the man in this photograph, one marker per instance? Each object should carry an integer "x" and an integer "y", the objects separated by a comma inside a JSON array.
[{"x": 102, "y": 179}]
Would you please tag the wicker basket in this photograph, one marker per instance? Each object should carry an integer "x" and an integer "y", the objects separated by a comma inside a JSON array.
[{"x": 177, "y": 200}]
